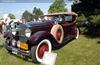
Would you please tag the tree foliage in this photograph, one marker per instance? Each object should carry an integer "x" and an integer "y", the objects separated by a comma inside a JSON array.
[
  {"x": 87, "y": 7},
  {"x": 88, "y": 10},
  {"x": 27, "y": 16},
  {"x": 81, "y": 18},
  {"x": 30, "y": 16},
  {"x": 11, "y": 16},
  {"x": 37, "y": 12},
  {"x": 57, "y": 6},
  {"x": 95, "y": 19}
]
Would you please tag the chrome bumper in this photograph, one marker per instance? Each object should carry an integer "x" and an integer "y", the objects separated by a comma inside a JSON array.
[{"x": 18, "y": 51}]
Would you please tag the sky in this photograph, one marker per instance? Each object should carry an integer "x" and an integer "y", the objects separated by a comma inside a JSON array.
[{"x": 17, "y": 8}]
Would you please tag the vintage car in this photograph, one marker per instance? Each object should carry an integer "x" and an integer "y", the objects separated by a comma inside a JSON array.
[{"x": 34, "y": 38}]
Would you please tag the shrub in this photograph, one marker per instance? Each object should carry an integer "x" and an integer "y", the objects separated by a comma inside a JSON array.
[
  {"x": 95, "y": 19},
  {"x": 80, "y": 19}
]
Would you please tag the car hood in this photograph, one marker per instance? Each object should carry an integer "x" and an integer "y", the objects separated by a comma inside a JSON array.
[
  {"x": 35, "y": 26},
  {"x": 36, "y": 23}
]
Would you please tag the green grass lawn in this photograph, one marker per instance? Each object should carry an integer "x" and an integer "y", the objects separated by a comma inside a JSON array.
[{"x": 83, "y": 51}]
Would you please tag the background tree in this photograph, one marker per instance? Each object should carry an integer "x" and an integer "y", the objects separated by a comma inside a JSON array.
[
  {"x": 57, "y": 6},
  {"x": 11, "y": 16},
  {"x": 87, "y": 7},
  {"x": 27, "y": 16},
  {"x": 91, "y": 11},
  {"x": 37, "y": 12},
  {"x": 81, "y": 18},
  {"x": 95, "y": 19}
]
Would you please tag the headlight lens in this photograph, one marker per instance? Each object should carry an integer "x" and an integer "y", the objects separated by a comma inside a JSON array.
[
  {"x": 28, "y": 32},
  {"x": 13, "y": 42},
  {"x": 18, "y": 43}
]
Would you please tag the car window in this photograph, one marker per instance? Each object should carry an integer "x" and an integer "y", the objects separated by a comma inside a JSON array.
[
  {"x": 68, "y": 18},
  {"x": 56, "y": 18}
]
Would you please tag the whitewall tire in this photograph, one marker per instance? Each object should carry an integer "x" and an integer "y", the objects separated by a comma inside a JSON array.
[
  {"x": 77, "y": 34},
  {"x": 37, "y": 52}
]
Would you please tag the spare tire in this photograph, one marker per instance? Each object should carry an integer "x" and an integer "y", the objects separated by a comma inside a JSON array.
[{"x": 58, "y": 33}]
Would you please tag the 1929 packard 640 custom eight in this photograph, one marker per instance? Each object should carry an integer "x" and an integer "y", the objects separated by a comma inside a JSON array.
[{"x": 34, "y": 38}]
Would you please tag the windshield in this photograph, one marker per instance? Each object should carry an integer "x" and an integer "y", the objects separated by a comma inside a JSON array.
[
  {"x": 53, "y": 18},
  {"x": 29, "y": 24},
  {"x": 59, "y": 18},
  {"x": 68, "y": 18}
]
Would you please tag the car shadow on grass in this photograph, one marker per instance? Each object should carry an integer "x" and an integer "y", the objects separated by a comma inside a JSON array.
[
  {"x": 98, "y": 42},
  {"x": 92, "y": 36},
  {"x": 24, "y": 58},
  {"x": 65, "y": 43}
]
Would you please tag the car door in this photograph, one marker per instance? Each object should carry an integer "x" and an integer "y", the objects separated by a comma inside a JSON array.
[{"x": 69, "y": 25}]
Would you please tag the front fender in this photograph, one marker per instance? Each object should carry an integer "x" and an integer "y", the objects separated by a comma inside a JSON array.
[
  {"x": 8, "y": 35},
  {"x": 38, "y": 36}
]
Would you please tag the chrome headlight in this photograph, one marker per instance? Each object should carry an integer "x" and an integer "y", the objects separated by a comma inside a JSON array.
[
  {"x": 13, "y": 32},
  {"x": 18, "y": 43},
  {"x": 13, "y": 42},
  {"x": 28, "y": 32}
]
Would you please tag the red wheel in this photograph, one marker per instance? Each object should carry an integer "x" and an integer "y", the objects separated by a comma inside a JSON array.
[
  {"x": 43, "y": 47},
  {"x": 58, "y": 33},
  {"x": 38, "y": 52}
]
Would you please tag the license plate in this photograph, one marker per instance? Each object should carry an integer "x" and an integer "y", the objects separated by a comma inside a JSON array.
[{"x": 23, "y": 46}]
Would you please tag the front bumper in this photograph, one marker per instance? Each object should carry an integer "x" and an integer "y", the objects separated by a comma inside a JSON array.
[
  {"x": 13, "y": 47},
  {"x": 18, "y": 51}
]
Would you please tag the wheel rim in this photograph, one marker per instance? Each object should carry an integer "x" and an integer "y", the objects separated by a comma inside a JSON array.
[
  {"x": 43, "y": 48},
  {"x": 58, "y": 35}
]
